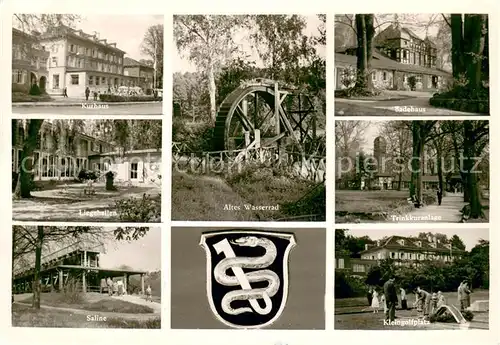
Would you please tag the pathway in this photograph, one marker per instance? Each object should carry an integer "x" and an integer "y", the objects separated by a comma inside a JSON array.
[
  {"x": 447, "y": 212},
  {"x": 142, "y": 301}
]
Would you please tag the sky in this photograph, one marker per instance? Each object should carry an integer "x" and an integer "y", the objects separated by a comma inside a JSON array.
[
  {"x": 182, "y": 64},
  {"x": 470, "y": 237},
  {"x": 371, "y": 132},
  {"x": 126, "y": 30},
  {"x": 142, "y": 254}
]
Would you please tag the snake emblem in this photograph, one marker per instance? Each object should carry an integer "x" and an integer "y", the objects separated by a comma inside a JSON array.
[{"x": 240, "y": 278}]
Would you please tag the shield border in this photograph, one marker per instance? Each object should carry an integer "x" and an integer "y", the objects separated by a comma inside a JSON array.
[{"x": 292, "y": 243}]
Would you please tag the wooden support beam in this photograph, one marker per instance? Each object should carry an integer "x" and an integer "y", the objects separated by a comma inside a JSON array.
[
  {"x": 125, "y": 282},
  {"x": 277, "y": 106},
  {"x": 84, "y": 281},
  {"x": 61, "y": 281},
  {"x": 142, "y": 284}
]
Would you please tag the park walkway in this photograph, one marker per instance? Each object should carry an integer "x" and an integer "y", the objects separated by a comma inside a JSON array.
[
  {"x": 140, "y": 300},
  {"x": 447, "y": 212}
]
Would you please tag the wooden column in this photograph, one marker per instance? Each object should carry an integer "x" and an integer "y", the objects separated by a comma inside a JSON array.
[
  {"x": 84, "y": 281},
  {"x": 84, "y": 263},
  {"x": 277, "y": 109},
  {"x": 142, "y": 284},
  {"x": 61, "y": 281},
  {"x": 125, "y": 283}
]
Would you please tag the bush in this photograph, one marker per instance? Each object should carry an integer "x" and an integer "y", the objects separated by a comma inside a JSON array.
[
  {"x": 35, "y": 90},
  {"x": 461, "y": 98},
  {"x": 87, "y": 175},
  {"x": 117, "y": 98},
  {"x": 412, "y": 82},
  {"x": 110, "y": 178},
  {"x": 143, "y": 209},
  {"x": 24, "y": 97},
  {"x": 468, "y": 315},
  {"x": 15, "y": 176},
  {"x": 313, "y": 203},
  {"x": 348, "y": 286}
]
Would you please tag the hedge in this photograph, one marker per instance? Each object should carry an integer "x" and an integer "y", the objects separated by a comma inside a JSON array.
[
  {"x": 461, "y": 99},
  {"x": 118, "y": 98}
]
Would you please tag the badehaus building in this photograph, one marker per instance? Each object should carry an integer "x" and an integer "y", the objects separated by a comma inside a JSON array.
[{"x": 54, "y": 160}]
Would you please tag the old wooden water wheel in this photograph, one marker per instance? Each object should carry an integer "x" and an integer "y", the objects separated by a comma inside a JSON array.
[{"x": 261, "y": 110}]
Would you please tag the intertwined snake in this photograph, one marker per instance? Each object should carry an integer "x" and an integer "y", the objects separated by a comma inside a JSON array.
[{"x": 252, "y": 295}]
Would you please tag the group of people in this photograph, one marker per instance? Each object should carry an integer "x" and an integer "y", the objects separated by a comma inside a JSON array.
[
  {"x": 426, "y": 303},
  {"x": 115, "y": 288}
]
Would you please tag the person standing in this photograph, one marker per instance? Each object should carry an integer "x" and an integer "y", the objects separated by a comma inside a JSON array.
[
  {"x": 65, "y": 92},
  {"x": 404, "y": 303},
  {"x": 110, "y": 286},
  {"x": 439, "y": 196},
  {"x": 391, "y": 299},
  {"x": 465, "y": 296},
  {"x": 87, "y": 93},
  {"x": 375, "y": 302},
  {"x": 441, "y": 300},
  {"x": 369, "y": 295},
  {"x": 149, "y": 295}
]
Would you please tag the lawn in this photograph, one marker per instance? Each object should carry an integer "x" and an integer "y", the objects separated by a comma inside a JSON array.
[
  {"x": 350, "y": 313},
  {"x": 25, "y": 316},
  {"x": 204, "y": 197},
  {"x": 357, "y": 201},
  {"x": 69, "y": 202},
  {"x": 91, "y": 302},
  {"x": 23, "y": 97}
]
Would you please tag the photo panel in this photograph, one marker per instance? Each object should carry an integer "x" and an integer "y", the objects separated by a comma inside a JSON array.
[
  {"x": 249, "y": 118},
  {"x": 404, "y": 64},
  {"x": 412, "y": 171},
  {"x": 97, "y": 64},
  {"x": 248, "y": 278},
  {"x": 86, "y": 170},
  {"x": 412, "y": 279},
  {"x": 86, "y": 276}
]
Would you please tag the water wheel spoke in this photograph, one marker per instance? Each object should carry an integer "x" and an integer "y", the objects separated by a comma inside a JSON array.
[{"x": 244, "y": 119}]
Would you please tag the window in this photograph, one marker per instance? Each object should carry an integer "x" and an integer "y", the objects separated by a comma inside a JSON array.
[
  {"x": 17, "y": 76},
  {"x": 55, "y": 81},
  {"x": 54, "y": 61},
  {"x": 71, "y": 47},
  {"x": 340, "y": 263},
  {"x": 91, "y": 80},
  {"x": 358, "y": 268},
  {"x": 374, "y": 76},
  {"x": 97, "y": 80},
  {"x": 87, "y": 51},
  {"x": 133, "y": 170},
  {"x": 393, "y": 255},
  {"x": 385, "y": 76},
  {"x": 75, "y": 79},
  {"x": 103, "y": 80}
]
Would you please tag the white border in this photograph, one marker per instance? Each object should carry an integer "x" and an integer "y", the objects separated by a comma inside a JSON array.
[{"x": 286, "y": 257}]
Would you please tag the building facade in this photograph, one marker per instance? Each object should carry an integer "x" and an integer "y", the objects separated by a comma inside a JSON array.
[
  {"x": 411, "y": 251},
  {"x": 78, "y": 60},
  {"x": 142, "y": 74},
  {"x": 29, "y": 62},
  {"x": 50, "y": 163},
  {"x": 400, "y": 59},
  {"x": 83, "y": 152}
]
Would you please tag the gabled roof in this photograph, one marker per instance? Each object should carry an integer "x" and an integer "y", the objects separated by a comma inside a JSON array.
[{"x": 411, "y": 243}]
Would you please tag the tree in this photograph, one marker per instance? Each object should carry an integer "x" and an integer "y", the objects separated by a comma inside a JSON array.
[
  {"x": 208, "y": 42},
  {"x": 30, "y": 239},
  {"x": 365, "y": 33},
  {"x": 41, "y": 22},
  {"x": 420, "y": 132},
  {"x": 152, "y": 46},
  {"x": 349, "y": 136},
  {"x": 456, "y": 242}
]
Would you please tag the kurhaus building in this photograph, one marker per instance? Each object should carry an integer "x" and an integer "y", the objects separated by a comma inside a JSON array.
[
  {"x": 142, "y": 72},
  {"x": 81, "y": 152},
  {"x": 398, "y": 55},
  {"x": 29, "y": 62},
  {"x": 63, "y": 57}
]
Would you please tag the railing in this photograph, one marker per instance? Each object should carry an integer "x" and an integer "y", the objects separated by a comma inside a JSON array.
[{"x": 77, "y": 246}]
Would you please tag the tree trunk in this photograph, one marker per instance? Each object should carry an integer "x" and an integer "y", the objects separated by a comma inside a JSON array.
[
  {"x": 473, "y": 48},
  {"x": 370, "y": 33},
  {"x": 212, "y": 92},
  {"x": 38, "y": 267},
  {"x": 25, "y": 180},
  {"x": 457, "y": 50},
  {"x": 440, "y": 167},
  {"x": 415, "y": 162},
  {"x": 471, "y": 187},
  {"x": 361, "y": 52}
]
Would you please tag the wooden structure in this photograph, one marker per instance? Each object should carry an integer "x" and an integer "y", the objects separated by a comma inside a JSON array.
[
  {"x": 76, "y": 264},
  {"x": 260, "y": 113}
]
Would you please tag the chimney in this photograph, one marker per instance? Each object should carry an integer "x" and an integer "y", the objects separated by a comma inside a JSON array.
[
  {"x": 366, "y": 246},
  {"x": 378, "y": 243}
]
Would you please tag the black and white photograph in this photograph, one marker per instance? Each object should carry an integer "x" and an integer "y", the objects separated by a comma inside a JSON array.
[
  {"x": 412, "y": 171},
  {"x": 72, "y": 64},
  {"x": 247, "y": 278},
  {"x": 397, "y": 64},
  {"x": 86, "y": 277},
  {"x": 412, "y": 279},
  {"x": 86, "y": 170},
  {"x": 249, "y": 117}
]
